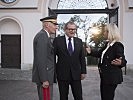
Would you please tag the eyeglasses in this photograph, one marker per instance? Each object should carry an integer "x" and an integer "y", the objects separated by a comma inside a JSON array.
[{"x": 71, "y": 29}]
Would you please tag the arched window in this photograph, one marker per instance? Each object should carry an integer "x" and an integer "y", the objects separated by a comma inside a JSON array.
[
  {"x": 87, "y": 12},
  {"x": 82, "y": 4}
]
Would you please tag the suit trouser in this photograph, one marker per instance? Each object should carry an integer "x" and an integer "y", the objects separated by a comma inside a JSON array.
[
  {"x": 107, "y": 91},
  {"x": 40, "y": 92},
  {"x": 75, "y": 87}
]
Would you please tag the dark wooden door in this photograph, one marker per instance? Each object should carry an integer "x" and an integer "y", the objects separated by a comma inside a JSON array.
[{"x": 11, "y": 51}]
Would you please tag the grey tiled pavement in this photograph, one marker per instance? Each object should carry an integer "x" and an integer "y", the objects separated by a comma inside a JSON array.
[{"x": 16, "y": 84}]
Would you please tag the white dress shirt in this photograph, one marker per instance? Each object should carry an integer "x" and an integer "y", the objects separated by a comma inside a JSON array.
[
  {"x": 47, "y": 33},
  {"x": 108, "y": 45}
]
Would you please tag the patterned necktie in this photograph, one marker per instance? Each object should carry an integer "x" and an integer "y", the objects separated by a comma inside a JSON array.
[{"x": 70, "y": 49}]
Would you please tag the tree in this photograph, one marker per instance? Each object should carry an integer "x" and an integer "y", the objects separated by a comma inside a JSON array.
[
  {"x": 82, "y": 23},
  {"x": 97, "y": 39}
]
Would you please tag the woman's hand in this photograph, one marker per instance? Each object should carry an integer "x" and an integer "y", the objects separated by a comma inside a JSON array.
[
  {"x": 88, "y": 49},
  {"x": 117, "y": 61}
]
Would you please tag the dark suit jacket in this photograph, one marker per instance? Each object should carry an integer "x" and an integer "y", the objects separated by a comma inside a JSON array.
[
  {"x": 111, "y": 74},
  {"x": 43, "y": 64},
  {"x": 69, "y": 65}
]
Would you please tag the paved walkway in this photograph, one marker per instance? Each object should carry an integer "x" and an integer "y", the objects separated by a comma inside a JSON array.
[{"x": 19, "y": 86}]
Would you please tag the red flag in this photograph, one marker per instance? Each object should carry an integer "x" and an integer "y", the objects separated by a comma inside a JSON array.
[{"x": 46, "y": 93}]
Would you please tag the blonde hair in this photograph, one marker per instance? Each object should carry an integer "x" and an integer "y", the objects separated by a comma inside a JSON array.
[{"x": 113, "y": 32}]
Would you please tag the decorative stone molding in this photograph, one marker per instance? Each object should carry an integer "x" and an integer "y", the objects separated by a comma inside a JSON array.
[
  {"x": 128, "y": 5},
  {"x": 8, "y": 3}
]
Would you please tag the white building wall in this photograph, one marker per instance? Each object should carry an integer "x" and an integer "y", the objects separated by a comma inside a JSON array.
[
  {"x": 128, "y": 35},
  {"x": 31, "y": 26},
  {"x": 126, "y": 26},
  {"x": 29, "y": 21}
]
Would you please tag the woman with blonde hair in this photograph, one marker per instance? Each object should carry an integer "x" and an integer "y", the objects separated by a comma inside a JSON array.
[
  {"x": 112, "y": 31},
  {"x": 112, "y": 59}
]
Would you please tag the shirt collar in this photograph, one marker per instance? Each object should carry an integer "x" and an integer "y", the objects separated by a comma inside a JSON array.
[
  {"x": 47, "y": 33},
  {"x": 68, "y": 37}
]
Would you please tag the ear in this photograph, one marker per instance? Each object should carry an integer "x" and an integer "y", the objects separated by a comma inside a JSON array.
[{"x": 46, "y": 24}]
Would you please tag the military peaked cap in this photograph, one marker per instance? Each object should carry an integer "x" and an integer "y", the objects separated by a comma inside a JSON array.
[{"x": 52, "y": 18}]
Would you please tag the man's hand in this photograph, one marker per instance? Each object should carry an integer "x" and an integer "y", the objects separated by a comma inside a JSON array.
[
  {"x": 45, "y": 84},
  {"x": 83, "y": 76},
  {"x": 117, "y": 61}
]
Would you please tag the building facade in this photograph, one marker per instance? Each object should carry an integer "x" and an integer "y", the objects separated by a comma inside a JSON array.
[{"x": 19, "y": 23}]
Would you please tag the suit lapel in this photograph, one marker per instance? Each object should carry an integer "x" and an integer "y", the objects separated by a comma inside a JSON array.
[
  {"x": 64, "y": 45},
  {"x": 108, "y": 50},
  {"x": 75, "y": 45}
]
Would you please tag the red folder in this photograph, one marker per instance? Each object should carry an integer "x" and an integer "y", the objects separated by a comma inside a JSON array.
[{"x": 46, "y": 94}]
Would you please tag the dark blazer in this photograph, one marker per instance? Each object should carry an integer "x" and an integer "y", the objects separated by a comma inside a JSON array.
[
  {"x": 111, "y": 74},
  {"x": 43, "y": 64},
  {"x": 69, "y": 65}
]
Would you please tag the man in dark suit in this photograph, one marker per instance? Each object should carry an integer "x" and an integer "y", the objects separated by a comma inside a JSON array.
[
  {"x": 43, "y": 65},
  {"x": 70, "y": 66}
]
